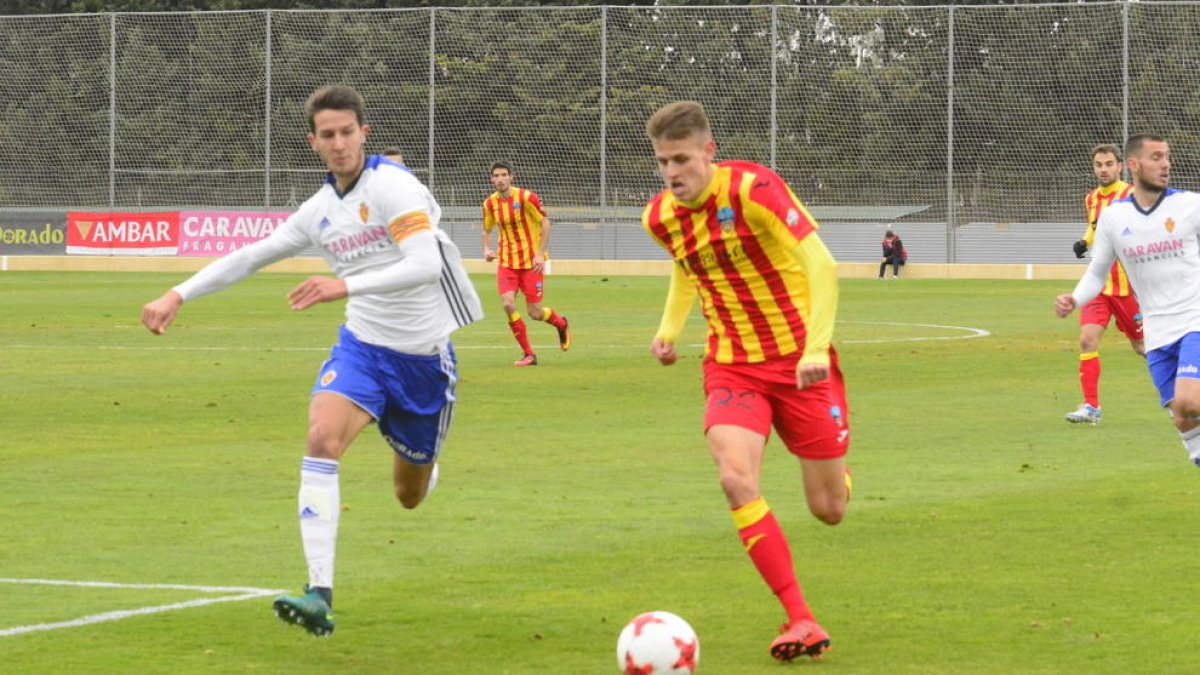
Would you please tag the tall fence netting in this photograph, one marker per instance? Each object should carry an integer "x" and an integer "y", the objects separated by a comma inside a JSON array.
[{"x": 953, "y": 115}]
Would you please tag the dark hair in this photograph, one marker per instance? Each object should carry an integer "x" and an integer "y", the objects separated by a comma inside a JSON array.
[
  {"x": 1106, "y": 149},
  {"x": 678, "y": 120},
  {"x": 334, "y": 97},
  {"x": 889, "y": 233},
  {"x": 1134, "y": 145},
  {"x": 392, "y": 151},
  {"x": 501, "y": 164}
]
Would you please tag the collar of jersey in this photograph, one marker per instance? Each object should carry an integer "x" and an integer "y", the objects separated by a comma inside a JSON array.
[
  {"x": 1145, "y": 212},
  {"x": 370, "y": 163}
]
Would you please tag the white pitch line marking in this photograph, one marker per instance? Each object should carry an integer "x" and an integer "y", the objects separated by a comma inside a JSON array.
[
  {"x": 242, "y": 593},
  {"x": 970, "y": 334}
]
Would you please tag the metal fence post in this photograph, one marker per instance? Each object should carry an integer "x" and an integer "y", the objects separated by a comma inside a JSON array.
[
  {"x": 267, "y": 120},
  {"x": 950, "y": 254},
  {"x": 604, "y": 126},
  {"x": 432, "y": 105},
  {"x": 112, "y": 110}
]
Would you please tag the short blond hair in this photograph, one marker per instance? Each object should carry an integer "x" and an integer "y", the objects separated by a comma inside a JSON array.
[{"x": 678, "y": 120}]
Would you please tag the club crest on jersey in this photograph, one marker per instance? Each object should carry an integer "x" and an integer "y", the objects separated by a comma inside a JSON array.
[
  {"x": 328, "y": 378},
  {"x": 725, "y": 218},
  {"x": 363, "y": 212},
  {"x": 516, "y": 206},
  {"x": 1170, "y": 224}
]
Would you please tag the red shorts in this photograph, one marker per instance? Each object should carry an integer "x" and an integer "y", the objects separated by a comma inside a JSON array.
[
  {"x": 526, "y": 281},
  {"x": 1103, "y": 308},
  {"x": 813, "y": 423}
]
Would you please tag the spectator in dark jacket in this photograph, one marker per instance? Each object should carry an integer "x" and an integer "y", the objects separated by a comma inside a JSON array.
[{"x": 893, "y": 254}]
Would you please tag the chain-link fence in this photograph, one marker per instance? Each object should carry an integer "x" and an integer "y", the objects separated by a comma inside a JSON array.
[{"x": 930, "y": 118}]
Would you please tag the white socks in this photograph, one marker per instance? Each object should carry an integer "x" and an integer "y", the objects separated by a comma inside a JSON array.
[
  {"x": 1191, "y": 441},
  {"x": 432, "y": 483},
  {"x": 320, "y": 506}
]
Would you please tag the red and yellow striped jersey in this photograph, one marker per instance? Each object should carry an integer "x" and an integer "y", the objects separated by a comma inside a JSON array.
[
  {"x": 735, "y": 244},
  {"x": 519, "y": 217},
  {"x": 1118, "y": 283}
]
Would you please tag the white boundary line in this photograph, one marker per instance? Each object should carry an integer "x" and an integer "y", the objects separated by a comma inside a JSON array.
[
  {"x": 970, "y": 334},
  {"x": 242, "y": 593}
]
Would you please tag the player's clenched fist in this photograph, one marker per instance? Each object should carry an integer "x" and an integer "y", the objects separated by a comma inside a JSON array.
[
  {"x": 1064, "y": 305},
  {"x": 159, "y": 314}
]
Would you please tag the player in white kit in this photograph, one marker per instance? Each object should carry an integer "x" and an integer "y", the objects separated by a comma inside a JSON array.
[
  {"x": 406, "y": 291},
  {"x": 1155, "y": 233}
]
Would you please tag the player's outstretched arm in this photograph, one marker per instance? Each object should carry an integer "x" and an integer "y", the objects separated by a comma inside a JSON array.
[{"x": 160, "y": 313}]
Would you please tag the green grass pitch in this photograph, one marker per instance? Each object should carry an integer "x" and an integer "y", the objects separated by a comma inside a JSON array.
[{"x": 986, "y": 534}]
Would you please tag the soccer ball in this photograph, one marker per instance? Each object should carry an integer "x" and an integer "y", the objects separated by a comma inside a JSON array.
[{"x": 657, "y": 643}]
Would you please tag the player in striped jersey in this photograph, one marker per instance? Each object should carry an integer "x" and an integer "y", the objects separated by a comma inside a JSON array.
[
  {"x": 406, "y": 291},
  {"x": 1116, "y": 301},
  {"x": 1155, "y": 233},
  {"x": 523, "y": 245},
  {"x": 741, "y": 241}
]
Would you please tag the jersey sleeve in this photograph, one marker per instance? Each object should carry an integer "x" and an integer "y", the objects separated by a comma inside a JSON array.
[
  {"x": 406, "y": 207},
  {"x": 489, "y": 217},
  {"x": 1103, "y": 256},
  {"x": 1089, "y": 234},
  {"x": 681, "y": 295},
  {"x": 287, "y": 240},
  {"x": 820, "y": 270},
  {"x": 773, "y": 204},
  {"x": 536, "y": 202}
]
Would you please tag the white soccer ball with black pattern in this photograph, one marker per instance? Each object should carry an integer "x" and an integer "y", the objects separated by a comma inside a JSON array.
[{"x": 658, "y": 643}]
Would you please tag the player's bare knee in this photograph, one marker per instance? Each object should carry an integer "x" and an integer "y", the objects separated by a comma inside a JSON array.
[
  {"x": 1185, "y": 414},
  {"x": 829, "y": 512},
  {"x": 737, "y": 485},
  {"x": 322, "y": 444},
  {"x": 409, "y": 497}
]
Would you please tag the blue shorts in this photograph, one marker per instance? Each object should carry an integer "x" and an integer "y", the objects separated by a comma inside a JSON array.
[
  {"x": 1178, "y": 359},
  {"x": 411, "y": 397}
]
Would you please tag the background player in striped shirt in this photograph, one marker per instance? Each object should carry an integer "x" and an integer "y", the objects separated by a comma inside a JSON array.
[
  {"x": 406, "y": 291},
  {"x": 523, "y": 249},
  {"x": 1116, "y": 301},
  {"x": 741, "y": 241}
]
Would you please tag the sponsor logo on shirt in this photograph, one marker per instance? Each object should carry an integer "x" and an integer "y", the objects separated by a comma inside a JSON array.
[
  {"x": 1155, "y": 250},
  {"x": 323, "y": 224},
  {"x": 351, "y": 246},
  {"x": 1126, "y": 232}
]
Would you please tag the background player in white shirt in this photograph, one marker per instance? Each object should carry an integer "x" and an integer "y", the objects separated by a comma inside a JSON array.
[
  {"x": 406, "y": 292},
  {"x": 1155, "y": 232}
]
